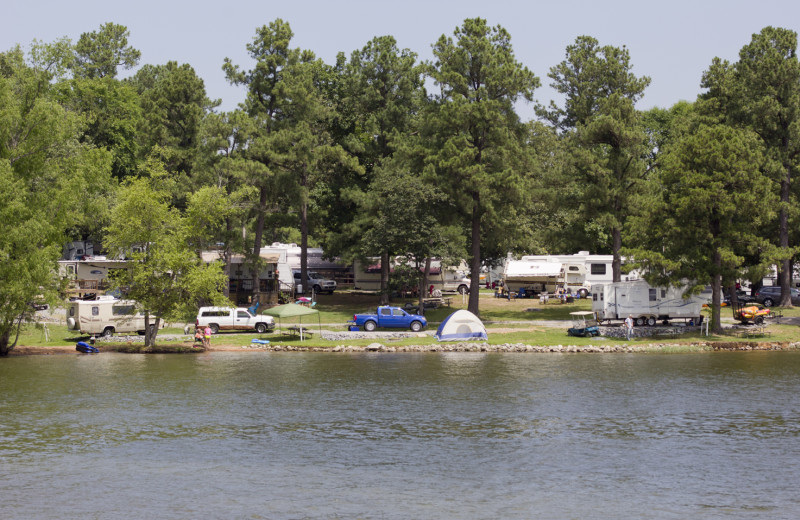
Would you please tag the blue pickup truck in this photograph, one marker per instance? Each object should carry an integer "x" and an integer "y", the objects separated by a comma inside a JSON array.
[{"x": 390, "y": 318}]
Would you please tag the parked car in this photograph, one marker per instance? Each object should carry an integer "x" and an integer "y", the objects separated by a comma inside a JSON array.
[
  {"x": 229, "y": 318},
  {"x": 771, "y": 295},
  {"x": 317, "y": 282},
  {"x": 390, "y": 318}
]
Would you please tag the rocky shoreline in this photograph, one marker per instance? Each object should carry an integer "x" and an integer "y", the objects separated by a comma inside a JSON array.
[{"x": 525, "y": 348}]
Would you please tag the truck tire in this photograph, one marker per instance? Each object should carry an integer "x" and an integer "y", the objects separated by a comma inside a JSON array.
[
  {"x": 369, "y": 326},
  {"x": 214, "y": 328},
  {"x": 317, "y": 289},
  {"x": 261, "y": 328},
  {"x": 416, "y": 326}
]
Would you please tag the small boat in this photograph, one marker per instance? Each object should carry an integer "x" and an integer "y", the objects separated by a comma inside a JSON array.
[
  {"x": 260, "y": 341},
  {"x": 84, "y": 347}
]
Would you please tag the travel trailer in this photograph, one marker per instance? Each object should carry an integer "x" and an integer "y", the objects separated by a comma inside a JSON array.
[
  {"x": 545, "y": 276},
  {"x": 105, "y": 316},
  {"x": 546, "y": 273},
  {"x": 648, "y": 305},
  {"x": 447, "y": 279}
]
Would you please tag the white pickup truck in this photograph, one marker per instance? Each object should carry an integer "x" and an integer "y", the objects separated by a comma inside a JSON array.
[{"x": 229, "y": 318}]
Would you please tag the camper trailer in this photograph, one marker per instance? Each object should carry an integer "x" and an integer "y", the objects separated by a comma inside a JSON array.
[
  {"x": 546, "y": 273},
  {"x": 444, "y": 279},
  {"x": 544, "y": 276},
  {"x": 648, "y": 305},
  {"x": 105, "y": 316}
]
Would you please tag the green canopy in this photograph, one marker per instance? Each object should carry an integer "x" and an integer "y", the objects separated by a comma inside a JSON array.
[{"x": 290, "y": 310}]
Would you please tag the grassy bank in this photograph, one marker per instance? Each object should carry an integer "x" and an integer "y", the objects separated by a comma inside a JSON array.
[{"x": 507, "y": 321}]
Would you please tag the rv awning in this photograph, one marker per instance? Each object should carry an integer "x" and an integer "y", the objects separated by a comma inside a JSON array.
[
  {"x": 211, "y": 256},
  {"x": 523, "y": 269}
]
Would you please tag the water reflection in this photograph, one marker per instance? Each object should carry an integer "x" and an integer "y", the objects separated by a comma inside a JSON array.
[{"x": 474, "y": 435}]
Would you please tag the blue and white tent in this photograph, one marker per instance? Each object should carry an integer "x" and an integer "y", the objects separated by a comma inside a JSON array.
[{"x": 461, "y": 326}]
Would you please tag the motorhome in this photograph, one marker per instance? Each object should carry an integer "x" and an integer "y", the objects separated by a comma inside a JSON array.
[
  {"x": 105, "y": 316},
  {"x": 648, "y": 305},
  {"x": 444, "y": 279}
]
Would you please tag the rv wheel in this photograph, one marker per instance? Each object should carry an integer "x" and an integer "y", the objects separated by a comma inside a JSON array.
[
  {"x": 462, "y": 289},
  {"x": 651, "y": 321},
  {"x": 640, "y": 321},
  {"x": 108, "y": 332}
]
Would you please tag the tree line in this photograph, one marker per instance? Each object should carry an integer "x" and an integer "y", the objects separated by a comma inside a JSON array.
[{"x": 380, "y": 154}]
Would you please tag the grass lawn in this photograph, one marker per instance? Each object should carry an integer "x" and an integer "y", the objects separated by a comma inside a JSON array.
[{"x": 506, "y": 321}]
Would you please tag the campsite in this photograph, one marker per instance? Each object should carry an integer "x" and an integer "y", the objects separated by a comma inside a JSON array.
[{"x": 507, "y": 322}]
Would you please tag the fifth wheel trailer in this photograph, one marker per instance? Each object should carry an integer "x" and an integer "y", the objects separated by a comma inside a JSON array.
[{"x": 648, "y": 305}]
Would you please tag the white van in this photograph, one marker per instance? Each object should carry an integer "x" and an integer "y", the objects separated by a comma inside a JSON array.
[
  {"x": 229, "y": 318},
  {"x": 105, "y": 316}
]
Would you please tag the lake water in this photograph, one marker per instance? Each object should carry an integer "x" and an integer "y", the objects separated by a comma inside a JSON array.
[{"x": 400, "y": 436}]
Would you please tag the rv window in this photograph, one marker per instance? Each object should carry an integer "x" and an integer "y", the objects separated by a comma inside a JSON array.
[
  {"x": 598, "y": 268},
  {"x": 122, "y": 310},
  {"x": 72, "y": 311},
  {"x": 70, "y": 269},
  {"x": 95, "y": 311},
  {"x": 653, "y": 295},
  {"x": 594, "y": 297},
  {"x": 663, "y": 293},
  {"x": 574, "y": 268}
]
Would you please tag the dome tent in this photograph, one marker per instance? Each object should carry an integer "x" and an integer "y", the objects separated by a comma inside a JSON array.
[{"x": 460, "y": 326}]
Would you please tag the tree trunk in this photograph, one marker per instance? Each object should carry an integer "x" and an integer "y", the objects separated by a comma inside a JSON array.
[
  {"x": 475, "y": 264},
  {"x": 257, "y": 237},
  {"x": 384, "y": 293},
  {"x": 4, "y": 347},
  {"x": 716, "y": 286},
  {"x": 304, "y": 245},
  {"x": 423, "y": 284},
  {"x": 228, "y": 255},
  {"x": 616, "y": 262}
]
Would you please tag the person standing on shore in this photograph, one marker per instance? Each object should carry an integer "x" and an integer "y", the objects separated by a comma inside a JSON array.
[
  {"x": 207, "y": 337},
  {"x": 629, "y": 327}
]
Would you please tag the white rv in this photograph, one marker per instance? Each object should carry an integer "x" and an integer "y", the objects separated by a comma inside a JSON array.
[
  {"x": 444, "y": 279},
  {"x": 105, "y": 316},
  {"x": 648, "y": 305},
  {"x": 536, "y": 276},
  {"x": 578, "y": 272}
]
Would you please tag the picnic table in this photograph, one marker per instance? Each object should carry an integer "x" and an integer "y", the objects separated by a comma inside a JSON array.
[
  {"x": 295, "y": 330},
  {"x": 753, "y": 332}
]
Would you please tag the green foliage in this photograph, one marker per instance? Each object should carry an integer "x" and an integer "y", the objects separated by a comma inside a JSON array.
[
  {"x": 166, "y": 277},
  {"x": 605, "y": 134},
  {"x": 44, "y": 174},
  {"x": 173, "y": 103},
  {"x": 472, "y": 139},
  {"x": 99, "y": 54}
]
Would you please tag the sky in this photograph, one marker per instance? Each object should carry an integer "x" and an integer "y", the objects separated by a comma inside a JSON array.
[{"x": 671, "y": 42}]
